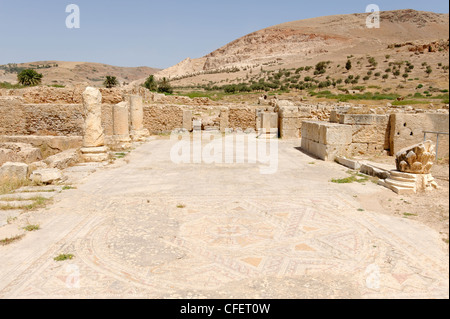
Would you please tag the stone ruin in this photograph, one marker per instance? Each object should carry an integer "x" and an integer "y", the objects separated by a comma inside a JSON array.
[
  {"x": 23, "y": 158},
  {"x": 94, "y": 149},
  {"x": 413, "y": 172}
]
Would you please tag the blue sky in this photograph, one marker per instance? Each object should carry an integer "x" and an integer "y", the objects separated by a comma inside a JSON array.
[{"x": 155, "y": 33}]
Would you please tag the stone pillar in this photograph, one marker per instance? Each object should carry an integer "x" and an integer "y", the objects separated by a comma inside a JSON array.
[
  {"x": 93, "y": 149},
  {"x": 138, "y": 133},
  {"x": 187, "y": 120},
  {"x": 121, "y": 125},
  {"x": 224, "y": 120}
]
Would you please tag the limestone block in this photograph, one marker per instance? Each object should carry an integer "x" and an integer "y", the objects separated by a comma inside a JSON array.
[
  {"x": 19, "y": 152},
  {"x": 364, "y": 119},
  {"x": 288, "y": 111},
  {"x": 335, "y": 134},
  {"x": 407, "y": 129},
  {"x": 121, "y": 120},
  {"x": 136, "y": 112},
  {"x": 187, "y": 120},
  {"x": 352, "y": 164},
  {"x": 46, "y": 175},
  {"x": 11, "y": 170},
  {"x": 93, "y": 131},
  {"x": 368, "y": 134},
  {"x": 416, "y": 159},
  {"x": 270, "y": 121},
  {"x": 63, "y": 160}
]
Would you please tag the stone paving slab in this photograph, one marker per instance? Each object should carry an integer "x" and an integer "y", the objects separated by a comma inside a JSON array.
[
  {"x": 27, "y": 196},
  {"x": 153, "y": 229}
]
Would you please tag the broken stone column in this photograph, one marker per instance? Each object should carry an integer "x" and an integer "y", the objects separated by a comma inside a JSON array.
[
  {"x": 413, "y": 172},
  {"x": 94, "y": 149},
  {"x": 121, "y": 125},
  {"x": 187, "y": 120},
  {"x": 138, "y": 133},
  {"x": 224, "y": 120}
]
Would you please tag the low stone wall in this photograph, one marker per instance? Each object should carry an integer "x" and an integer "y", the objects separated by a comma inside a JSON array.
[
  {"x": 49, "y": 145},
  {"x": 241, "y": 117},
  {"x": 407, "y": 130},
  {"x": 326, "y": 140},
  {"x": 370, "y": 133},
  {"x": 290, "y": 119},
  {"x": 18, "y": 118},
  {"x": 162, "y": 118}
]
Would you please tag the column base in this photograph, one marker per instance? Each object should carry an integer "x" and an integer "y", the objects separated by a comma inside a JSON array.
[
  {"x": 94, "y": 154},
  {"x": 140, "y": 136}
]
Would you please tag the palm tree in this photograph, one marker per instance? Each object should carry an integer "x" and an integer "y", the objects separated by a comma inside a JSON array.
[
  {"x": 29, "y": 77},
  {"x": 151, "y": 84},
  {"x": 110, "y": 82},
  {"x": 165, "y": 87}
]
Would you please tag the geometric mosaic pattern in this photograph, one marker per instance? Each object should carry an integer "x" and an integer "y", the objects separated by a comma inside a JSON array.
[{"x": 306, "y": 245}]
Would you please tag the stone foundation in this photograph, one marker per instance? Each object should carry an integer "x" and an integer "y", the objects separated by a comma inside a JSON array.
[{"x": 326, "y": 140}]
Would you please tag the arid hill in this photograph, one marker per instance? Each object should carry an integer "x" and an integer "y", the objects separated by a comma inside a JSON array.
[
  {"x": 64, "y": 73},
  {"x": 306, "y": 42}
]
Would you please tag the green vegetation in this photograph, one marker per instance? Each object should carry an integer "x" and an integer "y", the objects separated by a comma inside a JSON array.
[
  {"x": 64, "y": 257},
  {"x": 31, "y": 228},
  {"x": 9, "y": 86},
  {"x": 355, "y": 177},
  {"x": 151, "y": 84},
  {"x": 110, "y": 82},
  {"x": 29, "y": 77},
  {"x": 11, "y": 240}
]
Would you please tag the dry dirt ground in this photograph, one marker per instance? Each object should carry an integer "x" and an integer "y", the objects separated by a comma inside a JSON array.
[
  {"x": 431, "y": 208},
  {"x": 146, "y": 227}
]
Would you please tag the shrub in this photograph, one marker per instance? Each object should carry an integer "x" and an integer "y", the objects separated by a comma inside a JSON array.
[
  {"x": 151, "y": 84},
  {"x": 29, "y": 77}
]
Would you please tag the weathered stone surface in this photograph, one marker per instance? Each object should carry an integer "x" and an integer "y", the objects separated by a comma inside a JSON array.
[
  {"x": 63, "y": 159},
  {"x": 407, "y": 129},
  {"x": 416, "y": 159},
  {"x": 46, "y": 175},
  {"x": 364, "y": 119},
  {"x": 406, "y": 184},
  {"x": 51, "y": 144},
  {"x": 19, "y": 152},
  {"x": 93, "y": 131},
  {"x": 352, "y": 164},
  {"x": 11, "y": 170},
  {"x": 187, "y": 120},
  {"x": 121, "y": 119},
  {"x": 136, "y": 112}
]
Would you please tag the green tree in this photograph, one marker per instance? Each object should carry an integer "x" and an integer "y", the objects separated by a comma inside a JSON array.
[
  {"x": 110, "y": 82},
  {"x": 151, "y": 84},
  {"x": 348, "y": 65},
  {"x": 164, "y": 86},
  {"x": 29, "y": 77},
  {"x": 405, "y": 76},
  {"x": 429, "y": 70}
]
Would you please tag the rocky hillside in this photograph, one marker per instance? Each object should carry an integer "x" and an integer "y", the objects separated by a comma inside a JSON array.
[
  {"x": 66, "y": 73},
  {"x": 305, "y": 42}
]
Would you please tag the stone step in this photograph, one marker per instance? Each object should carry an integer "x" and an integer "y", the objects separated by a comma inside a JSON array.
[
  {"x": 15, "y": 204},
  {"x": 37, "y": 189},
  {"x": 402, "y": 179},
  {"x": 403, "y": 175},
  {"x": 397, "y": 189},
  {"x": 11, "y": 231},
  {"x": 393, "y": 182},
  {"x": 26, "y": 196},
  {"x": 5, "y": 215}
]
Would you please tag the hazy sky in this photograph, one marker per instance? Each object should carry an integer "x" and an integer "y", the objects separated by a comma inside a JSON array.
[{"x": 155, "y": 33}]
